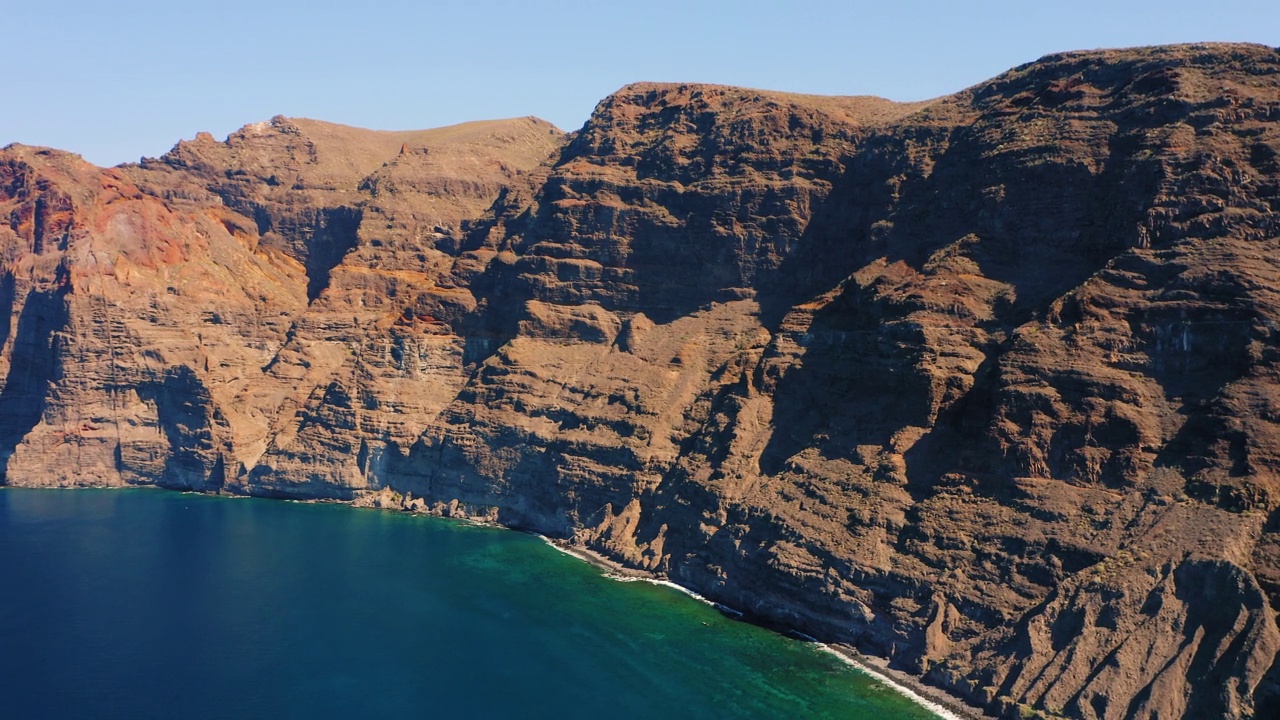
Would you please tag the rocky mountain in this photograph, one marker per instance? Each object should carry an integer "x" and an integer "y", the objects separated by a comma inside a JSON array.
[{"x": 987, "y": 385}]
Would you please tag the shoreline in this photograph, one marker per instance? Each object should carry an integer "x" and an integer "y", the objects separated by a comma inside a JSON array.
[
  {"x": 937, "y": 700},
  {"x": 933, "y": 699}
]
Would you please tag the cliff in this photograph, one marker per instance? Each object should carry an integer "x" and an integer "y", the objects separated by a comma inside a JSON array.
[{"x": 986, "y": 385}]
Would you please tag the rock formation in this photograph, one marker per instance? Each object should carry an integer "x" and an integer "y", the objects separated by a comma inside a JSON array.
[{"x": 988, "y": 385}]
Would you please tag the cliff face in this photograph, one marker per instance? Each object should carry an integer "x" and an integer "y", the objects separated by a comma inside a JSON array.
[
  {"x": 258, "y": 314},
  {"x": 986, "y": 385}
]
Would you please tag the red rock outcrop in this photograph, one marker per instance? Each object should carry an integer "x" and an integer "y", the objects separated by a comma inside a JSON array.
[
  {"x": 225, "y": 316},
  {"x": 986, "y": 385}
]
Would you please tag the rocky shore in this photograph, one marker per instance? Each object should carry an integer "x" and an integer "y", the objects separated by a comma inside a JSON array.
[
  {"x": 947, "y": 706},
  {"x": 985, "y": 386}
]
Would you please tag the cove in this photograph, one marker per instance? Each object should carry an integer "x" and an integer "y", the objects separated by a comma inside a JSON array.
[{"x": 154, "y": 604}]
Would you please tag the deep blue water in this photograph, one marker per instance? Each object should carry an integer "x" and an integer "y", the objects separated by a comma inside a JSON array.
[{"x": 152, "y": 604}]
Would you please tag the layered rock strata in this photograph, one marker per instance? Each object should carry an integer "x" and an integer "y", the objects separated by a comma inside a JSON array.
[{"x": 986, "y": 385}]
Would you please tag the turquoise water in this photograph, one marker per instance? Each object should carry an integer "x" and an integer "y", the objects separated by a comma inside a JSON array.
[{"x": 152, "y": 604}]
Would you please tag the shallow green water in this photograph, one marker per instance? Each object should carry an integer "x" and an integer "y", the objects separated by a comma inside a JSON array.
[{"x": 140, "y": 603}]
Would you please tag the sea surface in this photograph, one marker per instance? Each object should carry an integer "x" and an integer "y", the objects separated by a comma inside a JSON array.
[{"x": 154, "y": 604}]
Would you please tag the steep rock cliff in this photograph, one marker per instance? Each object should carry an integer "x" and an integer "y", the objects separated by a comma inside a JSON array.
[
  {"x": 984, "y": 385},
  {"x": 243, "y": 313}
]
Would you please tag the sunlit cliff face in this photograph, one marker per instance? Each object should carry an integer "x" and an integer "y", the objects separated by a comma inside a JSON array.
[{"x": 984, "y": 385}]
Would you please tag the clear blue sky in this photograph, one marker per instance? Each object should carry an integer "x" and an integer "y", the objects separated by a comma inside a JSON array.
[{"x": 118, "y": 80}]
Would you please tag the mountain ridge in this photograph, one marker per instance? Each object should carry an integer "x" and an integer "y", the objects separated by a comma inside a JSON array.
[{"x": 984, "y": 385}]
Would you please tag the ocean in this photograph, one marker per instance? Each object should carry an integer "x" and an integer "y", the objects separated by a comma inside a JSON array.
[{"x": 153, "y": 604}]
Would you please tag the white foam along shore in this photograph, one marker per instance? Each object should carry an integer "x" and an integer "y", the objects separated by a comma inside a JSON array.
[
  {"x": 905, "y": 685},
  {"x": 616, "y": 572},
  {"x": 902, "y": 689}
]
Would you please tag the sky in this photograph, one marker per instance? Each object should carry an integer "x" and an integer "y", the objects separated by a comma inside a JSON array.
[{"x": 116, "y": 81}]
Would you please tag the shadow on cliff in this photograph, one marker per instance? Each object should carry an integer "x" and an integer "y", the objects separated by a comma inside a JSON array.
[
  {"x": 1268, "y": 692},
  {"x": 1038, "y": 225},
  {"x": 33, "y": 367},
  {"x": 1207, "y": 626},
  {"x": 7, "y": 292},
  {"x": 187, "y": 416},
  {"x": 319, "y": 238},
  {"x": 335, "y": 236}
]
